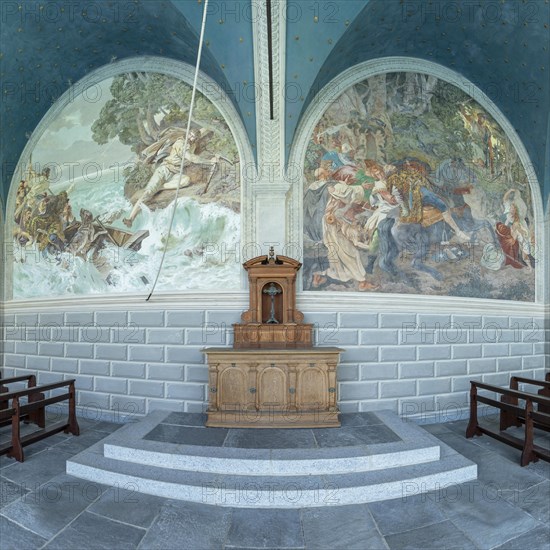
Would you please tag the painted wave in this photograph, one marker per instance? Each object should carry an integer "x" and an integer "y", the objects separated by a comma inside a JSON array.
[{"x": 200, "y": 253}]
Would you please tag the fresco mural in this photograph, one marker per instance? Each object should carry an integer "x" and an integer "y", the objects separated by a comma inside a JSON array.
[
  {"x": 411, "y": 187},
  {"x": 94, "y": 200}
]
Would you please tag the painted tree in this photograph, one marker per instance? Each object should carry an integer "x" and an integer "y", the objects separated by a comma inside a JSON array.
[{"x": 143, "y": 104}]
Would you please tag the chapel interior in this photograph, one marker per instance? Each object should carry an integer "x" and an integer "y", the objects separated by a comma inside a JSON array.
[{"x": 275, "y": 274}]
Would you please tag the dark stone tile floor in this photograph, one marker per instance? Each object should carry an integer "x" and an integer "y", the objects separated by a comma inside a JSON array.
[
  {"x": 508, "y": 507},
  {"x": 357, "y": 429}
]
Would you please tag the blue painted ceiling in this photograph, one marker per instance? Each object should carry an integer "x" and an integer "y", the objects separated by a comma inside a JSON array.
[
  {"x": 502, "y": 47},
  {"x": 313, "y": 30}
]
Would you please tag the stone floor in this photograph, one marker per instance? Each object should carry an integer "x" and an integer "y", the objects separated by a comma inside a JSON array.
[
  {"x": 42, "y": 507},
  {"x": 356, "y": 429}
]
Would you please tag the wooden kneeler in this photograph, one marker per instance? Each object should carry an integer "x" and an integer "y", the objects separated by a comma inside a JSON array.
[{"x": 36, "y": 406}]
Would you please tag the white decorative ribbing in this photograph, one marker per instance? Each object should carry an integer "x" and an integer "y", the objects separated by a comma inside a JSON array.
[
  {"x": 270, "y": 188},
  {"x": 270, "y": 131}
]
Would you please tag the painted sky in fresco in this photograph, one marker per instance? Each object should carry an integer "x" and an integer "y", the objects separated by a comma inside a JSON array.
[{"x": 69, "y": 137}]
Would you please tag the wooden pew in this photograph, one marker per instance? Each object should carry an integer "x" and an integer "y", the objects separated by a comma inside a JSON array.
[
  {"x": 4, "y": 403},
  {"x": 546, "y": 392},
  {"x": 530, "y": 451},
  {"x": 29, "y": 378},
  {"x": 507, "y": 419},
  {"x": 18, "y": 411}
]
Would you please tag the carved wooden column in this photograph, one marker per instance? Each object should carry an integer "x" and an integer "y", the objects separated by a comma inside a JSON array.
[
  {"x": 332, "y": 386},
  {"x": 292, "y": 383},
  {"x": 252, "y": 387},
  {"x": 213, "y": 387}
]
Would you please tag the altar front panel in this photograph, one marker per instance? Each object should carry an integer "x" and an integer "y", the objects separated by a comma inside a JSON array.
[{"x": 272, "y": 388}]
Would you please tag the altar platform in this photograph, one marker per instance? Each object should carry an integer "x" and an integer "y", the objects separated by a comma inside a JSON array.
[
  {"x": 371, "y": 457},
  {"x": 506, "y": 507}
]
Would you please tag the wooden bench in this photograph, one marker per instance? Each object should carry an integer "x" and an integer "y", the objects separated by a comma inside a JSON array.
[
  {"x": 507, "y": 418},
  {"x": 4, "y": 403},
  {"x": 29, "y": 378},
  {"x": 526, "y": 414},
  {"x": 35, "y": 409},
  {"x": 544, "y": 391}
]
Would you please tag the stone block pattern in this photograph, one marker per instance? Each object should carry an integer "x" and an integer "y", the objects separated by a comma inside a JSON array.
[{"x": 130, "y": 362}]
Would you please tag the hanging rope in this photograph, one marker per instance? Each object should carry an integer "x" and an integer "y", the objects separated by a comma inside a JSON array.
[{"x": 184, "y": 152}]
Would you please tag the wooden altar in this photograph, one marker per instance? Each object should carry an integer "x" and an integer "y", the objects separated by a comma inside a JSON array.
[
  {"x": 273, "y": 377},
  {"x": 272, "y": 388}
]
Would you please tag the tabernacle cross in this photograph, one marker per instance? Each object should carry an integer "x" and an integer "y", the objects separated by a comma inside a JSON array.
[{"x": 272, "y": 291}]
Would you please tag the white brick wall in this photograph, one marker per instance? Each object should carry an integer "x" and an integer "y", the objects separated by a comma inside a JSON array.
[{"x": 128, "y": 363}]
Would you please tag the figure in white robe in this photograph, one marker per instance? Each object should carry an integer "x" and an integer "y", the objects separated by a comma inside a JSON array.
[{"x": 341, "y": 237}]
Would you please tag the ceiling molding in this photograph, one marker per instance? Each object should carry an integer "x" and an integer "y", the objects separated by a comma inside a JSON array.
[
  {"x": 311, "y": 302},
  {"x": 270, "y": 132}
]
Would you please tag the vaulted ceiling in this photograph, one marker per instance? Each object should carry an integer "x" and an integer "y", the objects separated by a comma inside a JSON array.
[{"x": 502, "y": 47}]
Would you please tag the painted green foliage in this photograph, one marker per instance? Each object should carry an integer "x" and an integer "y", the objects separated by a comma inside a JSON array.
[
  {"x": 145, "y": 104},
  {"x": 138, "y": 100}
]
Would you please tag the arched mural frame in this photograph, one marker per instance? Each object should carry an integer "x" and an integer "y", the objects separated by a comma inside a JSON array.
[
  {"x": 2, "y": 260},
  {"x": 169, "y": 67},
  {"x": 357, "y": 300}
]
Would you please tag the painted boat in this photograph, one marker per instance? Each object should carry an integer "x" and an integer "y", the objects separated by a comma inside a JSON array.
[{"x": 119, "y": 237}]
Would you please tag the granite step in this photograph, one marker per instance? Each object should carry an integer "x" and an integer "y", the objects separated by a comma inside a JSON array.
[
  {"x": 373, "y": 457},
  {"x": 274, "y": 462},
  {"x": 388, "y": 442},
  {"x": 272, "y": 491}
]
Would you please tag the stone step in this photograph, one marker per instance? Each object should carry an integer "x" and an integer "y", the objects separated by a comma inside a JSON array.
[
  {"x": 192, "y": 447},
  {"x": 272, "y": 491},
  {"x": 274, "y": 462},
  {"x": 172, "y": 455}
]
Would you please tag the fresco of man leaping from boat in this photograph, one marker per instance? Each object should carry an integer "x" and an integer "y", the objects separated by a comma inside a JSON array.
[
  {"x": 411, "y": 187},
  {"x": 135, "y": 138}
]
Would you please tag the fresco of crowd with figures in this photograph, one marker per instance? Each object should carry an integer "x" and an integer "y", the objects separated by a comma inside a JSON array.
[
  {"x": 412, "y": 187},
  {"x": 94, "y": 199}
]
